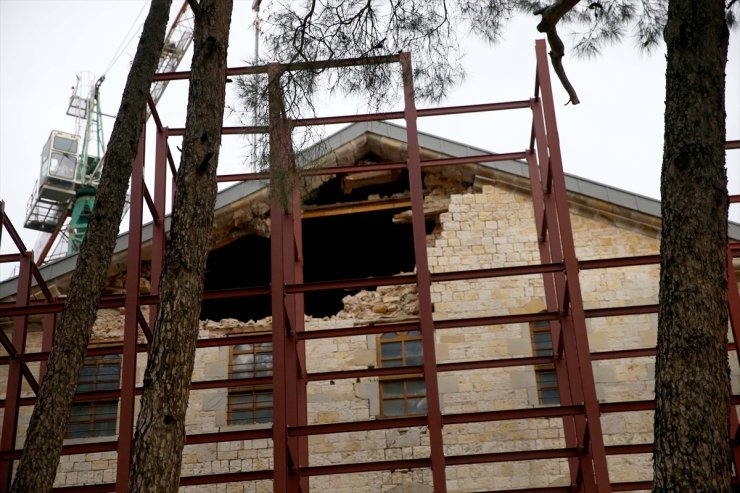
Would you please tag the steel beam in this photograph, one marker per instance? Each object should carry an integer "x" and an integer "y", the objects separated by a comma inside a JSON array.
[
  {"x": 559, "y": 268},
  {"x": 551, "y": 253},
  {"x": 159, "y": 238},
  {"x": 298, "y": 346},
  {"x": 733, "y": 305},
  {"x": 283, "y": 267},
  {"x": 131, "y": 322},
  {"x": 577, "y": 316},
  {"x": 14, "y": 378},
  {"x": 423, "y": 281}
]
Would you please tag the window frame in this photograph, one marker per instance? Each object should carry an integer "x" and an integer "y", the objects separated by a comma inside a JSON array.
[
  {"x": 546, "y": 370},
  {"x": 98, "y": 411},
  {"x": 250, "y": 391},
  {"x": 406, "y": 397}
]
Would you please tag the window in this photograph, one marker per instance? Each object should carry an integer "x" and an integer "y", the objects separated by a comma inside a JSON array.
[
  {"x": 547, "y": 380},
  {"x": 96, "y": 418},
  {"x": 401, "y": 396},
  {"x": 65, "y": 145},
  {"x": 253, "y": 404}
]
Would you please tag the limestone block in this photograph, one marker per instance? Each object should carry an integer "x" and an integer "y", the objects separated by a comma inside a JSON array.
[
  {"x": 411, "y": 488},
  {"x": 215, "y": 400},
  {"x": 523, "y": 379},
  {"x": 400, "y": 438}
]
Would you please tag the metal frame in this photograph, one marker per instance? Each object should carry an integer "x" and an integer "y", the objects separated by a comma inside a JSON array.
[{"x": 559, "y": 268}]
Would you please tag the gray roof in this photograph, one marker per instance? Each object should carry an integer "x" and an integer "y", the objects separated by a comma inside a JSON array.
[
  {"x": 588, "y": 188},
  {"x": 573, "y": 183}
]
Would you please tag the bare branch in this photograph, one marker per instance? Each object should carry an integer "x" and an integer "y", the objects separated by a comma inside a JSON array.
[
  {"x": 557, "y": 50},
  {"x": 548, "y": 25},
  {"x": 553, "y": 13},
  {"x": 195, "y": 7},
  {"x": 304, "y": 28}
]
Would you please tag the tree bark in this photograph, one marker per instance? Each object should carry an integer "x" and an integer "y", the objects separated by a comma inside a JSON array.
[
  {"x": 160, "y": 428},
  {"x": 46, "y": 430},
  {"x": 692, "y": 374}
]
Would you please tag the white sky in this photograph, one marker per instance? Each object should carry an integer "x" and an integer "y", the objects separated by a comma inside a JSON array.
[{"x": 614, "y": 136}]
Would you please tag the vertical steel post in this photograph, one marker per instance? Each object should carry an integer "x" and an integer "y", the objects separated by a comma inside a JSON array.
[
  {"x": 130, "y": 324},
  {"x": 551, "y": 250},
  {"x": 279, "y": 394},
  {"x": 548, "y": 240},
  {"x": 282, "y": 251},
  {"x": 292, "y": 308},
  {"x": 576, "y": 314},
  {"x": 733, "y": 305},
  {"x": 15, "y": 375},
  {"x": 158, "y": 233},
  {"x": 423, "y": 280},
  {"x": 298, "y": 348},
  {"x": 293, "y": 321}
]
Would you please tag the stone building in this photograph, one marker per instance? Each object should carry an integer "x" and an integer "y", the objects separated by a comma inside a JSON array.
[{"x": 478, "y": 216}]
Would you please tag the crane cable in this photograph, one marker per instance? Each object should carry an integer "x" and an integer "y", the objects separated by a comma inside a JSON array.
[
  {"x": 127, "y": 38},
  {"x": 256, "y": 9},
  {"x": 255, "y": 61}
]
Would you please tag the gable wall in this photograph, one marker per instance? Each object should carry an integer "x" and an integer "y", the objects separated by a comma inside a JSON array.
[{"x": 494, "y": 228}]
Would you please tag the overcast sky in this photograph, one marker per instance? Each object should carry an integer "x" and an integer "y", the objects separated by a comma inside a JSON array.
[{"x": 614, "y": 136}]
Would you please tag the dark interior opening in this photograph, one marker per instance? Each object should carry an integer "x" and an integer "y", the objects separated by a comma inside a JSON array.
[
  {"x": 335, "y": 247},
  {"x": 243, "y": 263},
  {"x": 334, "y": 191},
  {"x": 352, "y": 247}
]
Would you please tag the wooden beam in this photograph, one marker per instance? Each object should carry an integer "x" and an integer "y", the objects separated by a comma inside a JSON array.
[{"x": 355, "y": 207}]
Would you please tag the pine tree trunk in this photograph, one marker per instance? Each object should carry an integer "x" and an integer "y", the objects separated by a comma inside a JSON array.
[
  {"x": 46, "y": 431},
  {"x": 160, "y": 428},
  {"x": 692, "y": 373}
]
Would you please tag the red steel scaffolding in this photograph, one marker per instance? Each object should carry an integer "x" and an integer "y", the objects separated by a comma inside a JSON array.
[{"x": 579, "y": 409}]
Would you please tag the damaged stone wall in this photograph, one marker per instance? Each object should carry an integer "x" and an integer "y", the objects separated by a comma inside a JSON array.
[
  {"x": 249, "y": 216},
  {"x": 493, "y": 228}
]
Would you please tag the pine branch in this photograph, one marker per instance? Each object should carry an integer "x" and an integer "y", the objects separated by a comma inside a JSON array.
[{"x": 548, "y": 25}]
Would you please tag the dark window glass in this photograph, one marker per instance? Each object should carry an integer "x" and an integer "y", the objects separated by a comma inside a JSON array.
[
  {"x": 96, "y": 418},
  {"x": 404, "y": 396},
  {"x": 545, "y": 375}
]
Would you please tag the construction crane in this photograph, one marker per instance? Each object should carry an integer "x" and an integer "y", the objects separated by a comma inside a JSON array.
[{"x": 71, "y": 164}]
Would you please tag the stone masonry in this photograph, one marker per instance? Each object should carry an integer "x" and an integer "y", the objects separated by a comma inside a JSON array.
[{"x": 493, "y": 228}]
